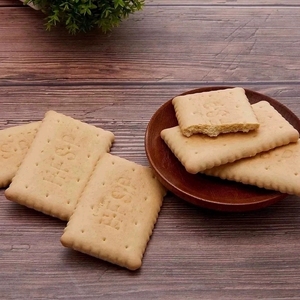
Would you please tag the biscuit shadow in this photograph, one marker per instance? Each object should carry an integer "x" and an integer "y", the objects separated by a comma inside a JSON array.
[
  {"x": 72, "y": 259},
  {"x": 281, "y": 216}
]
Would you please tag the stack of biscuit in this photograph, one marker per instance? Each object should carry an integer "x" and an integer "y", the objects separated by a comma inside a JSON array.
[
  {"x": 221, "y": 134},
  {"x": 62, "y": 167}
]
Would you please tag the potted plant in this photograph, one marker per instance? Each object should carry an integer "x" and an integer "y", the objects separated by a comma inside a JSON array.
[{"x": 84, "y": 15}]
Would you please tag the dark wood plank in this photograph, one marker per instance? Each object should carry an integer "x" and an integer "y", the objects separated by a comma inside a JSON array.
[
  {"x": 132, "y": 102},
  {"x": 224, "y": 3},
  {"x": 5, "y": 3},
  {"x": 193, "y": 253},
  {"x": 196, "y": 2},
  {"x": 212, "y": 44}
]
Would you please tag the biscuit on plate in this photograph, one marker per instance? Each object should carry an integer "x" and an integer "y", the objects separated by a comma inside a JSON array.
[
  {"x": 200, "y": 152},
  {"x": 277, "y": 169},
  {"x": 215, "y": 112}
]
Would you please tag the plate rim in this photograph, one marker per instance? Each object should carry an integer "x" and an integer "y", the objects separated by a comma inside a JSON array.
[{"x": 210, "y": 203}]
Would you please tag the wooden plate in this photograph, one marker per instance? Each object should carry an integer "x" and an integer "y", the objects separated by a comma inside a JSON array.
[{"x": 202, "y": 190}]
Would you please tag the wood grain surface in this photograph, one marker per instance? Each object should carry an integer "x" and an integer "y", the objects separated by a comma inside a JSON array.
[
  {"x": 159, "y": 44},
  {"x": 118, "y": 81}
]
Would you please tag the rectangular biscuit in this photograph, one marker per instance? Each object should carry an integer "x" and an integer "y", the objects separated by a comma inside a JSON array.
[
  {"x": 200, "y": 152},
  {"x": 277, "y": 169},
  {"x": 14, "y": 143},
  {"x": 116, "y": 213},
  {"x": 215, "y": 112},
  {"x": 58, "y": 165}
]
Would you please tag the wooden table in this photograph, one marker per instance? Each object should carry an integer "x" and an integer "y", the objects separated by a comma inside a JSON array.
[{"x": 117, "y": 81}]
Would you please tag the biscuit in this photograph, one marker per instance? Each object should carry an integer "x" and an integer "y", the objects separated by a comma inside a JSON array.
[
  {"x": 215, "y": 112},
  {"x": 277, "y": 169},
  {"x": 58, "y": 165},
  {"x": 14, "y": 143},
  {"x": 116, "y": 213},
  {"x": 200, "y": 152}
]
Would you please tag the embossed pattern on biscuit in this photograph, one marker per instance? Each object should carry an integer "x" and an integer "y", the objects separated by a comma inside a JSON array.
[
  {"x": 277, "y": 169},
  {"x": 14, "y": 144},
  {"x": 58, "y": 165},
  {"x": 116, "y": 213}
]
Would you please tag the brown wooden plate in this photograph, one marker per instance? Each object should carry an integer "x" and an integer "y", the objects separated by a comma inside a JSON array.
[{"x": 201, "y": 190}]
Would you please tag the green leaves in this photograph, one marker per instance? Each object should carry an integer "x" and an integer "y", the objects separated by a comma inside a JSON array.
[
  {"x": 84, "y": 15},
  {"x": 119, "y": 3}
]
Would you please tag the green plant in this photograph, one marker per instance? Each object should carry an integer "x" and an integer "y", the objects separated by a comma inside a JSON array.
[{"x": 84, "y": 15}]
